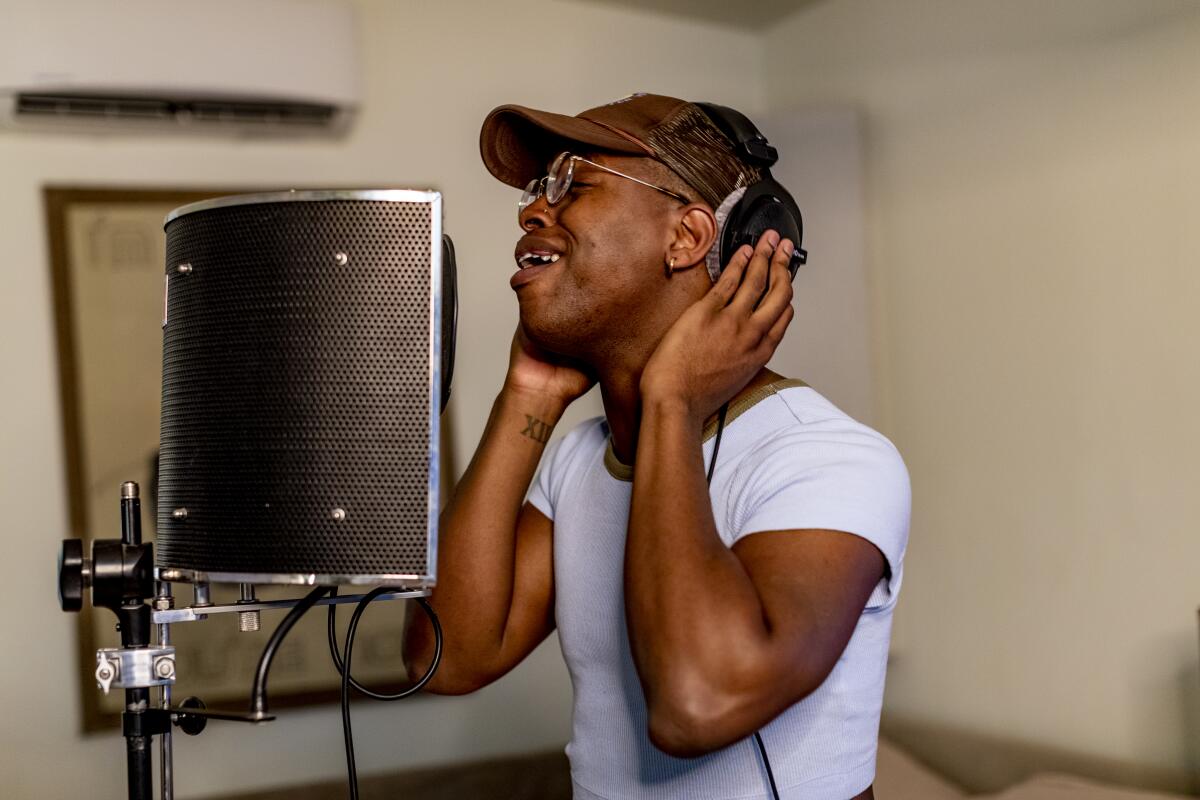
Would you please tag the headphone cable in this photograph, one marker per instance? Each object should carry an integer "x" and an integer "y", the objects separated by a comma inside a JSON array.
[
  {"x": 336, "y": 655},
  {"x": 712, "y": 465},
  {"x": 343, "y": 668},
  {"x": 762, "y": 751}
]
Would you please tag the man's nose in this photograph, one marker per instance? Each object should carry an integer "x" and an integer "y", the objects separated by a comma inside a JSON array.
[{"x": 535, "y": 215}]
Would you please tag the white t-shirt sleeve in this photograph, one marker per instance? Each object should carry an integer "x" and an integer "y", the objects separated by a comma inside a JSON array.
[
  {"x": 837, "y": 475},
  {"x": 556, "y": 463},
  {"x": 544, "y": 491}
]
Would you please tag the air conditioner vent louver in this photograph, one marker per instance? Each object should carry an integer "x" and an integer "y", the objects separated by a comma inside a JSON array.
[
  {"x": 221, "y": 68},
  {"x": 199, "y": 111}
]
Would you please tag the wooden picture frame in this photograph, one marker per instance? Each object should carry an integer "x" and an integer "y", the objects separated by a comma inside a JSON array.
[{"x": 107, "y": 251}]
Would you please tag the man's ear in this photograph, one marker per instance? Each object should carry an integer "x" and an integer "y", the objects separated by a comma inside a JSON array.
[{"x": 695, "y": 232}]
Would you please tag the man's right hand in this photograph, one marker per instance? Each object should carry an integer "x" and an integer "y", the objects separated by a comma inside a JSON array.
[{"x": 536, "y": 371}]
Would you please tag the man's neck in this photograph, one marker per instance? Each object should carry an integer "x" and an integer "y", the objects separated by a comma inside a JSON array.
[{"x": 623, "y": 403}]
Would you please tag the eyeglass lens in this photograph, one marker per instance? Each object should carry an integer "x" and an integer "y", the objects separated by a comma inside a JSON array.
[
  {"x": 555, "y": 184},
  {"x": 559, "y": 179},
  {"x": 532, "y": 192}
]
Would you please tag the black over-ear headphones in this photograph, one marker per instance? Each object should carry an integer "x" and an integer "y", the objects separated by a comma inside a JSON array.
[{"x": 766, "y": 205}]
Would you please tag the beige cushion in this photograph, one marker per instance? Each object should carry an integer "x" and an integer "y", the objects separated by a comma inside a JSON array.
[
  {"x": 1052, "y": 786},
  {"x": 898, "y": 776}
]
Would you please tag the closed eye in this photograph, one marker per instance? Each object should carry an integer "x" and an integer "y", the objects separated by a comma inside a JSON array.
[{"x": 578, "y": 187}]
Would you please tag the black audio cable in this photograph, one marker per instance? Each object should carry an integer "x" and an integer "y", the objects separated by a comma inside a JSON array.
[
  {"x": 437, "y": 655},
  {"x": 258, "y": 694},
  {"x": 712, "y": 465},
  {"x": 762, "y": 751},
  {"x": 343, "y": 668}
]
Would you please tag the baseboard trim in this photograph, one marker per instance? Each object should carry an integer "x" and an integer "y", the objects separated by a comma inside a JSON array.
[{"x": 987, "y": 763}]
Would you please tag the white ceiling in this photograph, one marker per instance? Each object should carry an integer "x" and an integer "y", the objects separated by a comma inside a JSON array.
[{"x": 748, "y": 14}]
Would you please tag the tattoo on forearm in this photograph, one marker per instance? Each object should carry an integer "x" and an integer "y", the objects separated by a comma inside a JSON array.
[{"x": 537, "y": 430}]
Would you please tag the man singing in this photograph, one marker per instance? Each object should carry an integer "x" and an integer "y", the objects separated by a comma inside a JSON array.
[{"x": 726, "y": 634}]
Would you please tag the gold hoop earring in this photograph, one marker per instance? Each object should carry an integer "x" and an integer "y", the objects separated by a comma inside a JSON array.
[{"x": 669, "y": 268}]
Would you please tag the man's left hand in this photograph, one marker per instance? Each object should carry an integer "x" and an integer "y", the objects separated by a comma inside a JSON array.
[{"x": 719, "y": 344}]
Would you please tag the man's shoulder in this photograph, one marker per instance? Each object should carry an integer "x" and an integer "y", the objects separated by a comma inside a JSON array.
[
  {"x": 793, "y": 422},
  {"x": 798, "y": 462},
  {"x": 791, "y": 405}
]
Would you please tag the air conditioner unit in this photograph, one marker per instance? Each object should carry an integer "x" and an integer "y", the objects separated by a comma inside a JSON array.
[{"x": 267, "y": 67}]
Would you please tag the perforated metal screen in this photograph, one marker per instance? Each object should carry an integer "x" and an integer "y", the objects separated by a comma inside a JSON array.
[{"x": 297, "y": 424}]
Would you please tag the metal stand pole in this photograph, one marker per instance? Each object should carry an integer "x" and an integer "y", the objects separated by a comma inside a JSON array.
[
  {"x": 163, "y": 601},
  {"x": 134, "y": 616},
  {"x": 138, "y": 755}
]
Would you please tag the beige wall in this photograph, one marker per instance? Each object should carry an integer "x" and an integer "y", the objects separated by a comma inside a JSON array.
[
  {"x": 1032, "y": 194},
  {"x": 1031, "y": 179},
  {"x": 828, "y": 343},
  {"x": 432, "y": 72}
]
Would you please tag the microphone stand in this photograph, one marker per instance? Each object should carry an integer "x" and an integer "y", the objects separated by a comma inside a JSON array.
[{"x": 121, "y": 576}]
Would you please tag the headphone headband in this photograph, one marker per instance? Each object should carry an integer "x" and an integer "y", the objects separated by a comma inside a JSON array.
[{"x": 748, "y": 143}]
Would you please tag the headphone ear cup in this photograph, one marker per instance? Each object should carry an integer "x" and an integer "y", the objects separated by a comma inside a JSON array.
[{"x": 765, "y": 206}]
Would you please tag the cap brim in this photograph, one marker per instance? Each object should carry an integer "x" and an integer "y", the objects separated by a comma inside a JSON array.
[{"x": 517, "y": 143}]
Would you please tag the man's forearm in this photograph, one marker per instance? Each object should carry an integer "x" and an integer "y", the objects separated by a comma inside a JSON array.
[
  {"x": 695, "y": 622},
  {"x": 477, "y": 543}
]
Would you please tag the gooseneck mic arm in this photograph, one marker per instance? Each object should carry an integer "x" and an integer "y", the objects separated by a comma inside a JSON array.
[{"x": 258, "y": 696}]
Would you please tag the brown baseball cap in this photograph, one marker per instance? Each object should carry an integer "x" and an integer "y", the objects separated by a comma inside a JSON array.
[{"x": 517, "y": 143}]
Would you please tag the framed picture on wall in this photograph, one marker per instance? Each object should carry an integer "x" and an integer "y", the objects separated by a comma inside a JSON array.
[{"x": 107, "y": 255}]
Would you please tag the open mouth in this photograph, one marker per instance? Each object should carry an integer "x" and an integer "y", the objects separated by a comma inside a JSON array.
[
  {"x": 535, "y": 255},
  {"x": 531, "y": 259}
]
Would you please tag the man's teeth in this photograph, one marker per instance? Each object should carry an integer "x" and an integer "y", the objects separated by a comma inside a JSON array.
[{"x": 533, "y": 259}]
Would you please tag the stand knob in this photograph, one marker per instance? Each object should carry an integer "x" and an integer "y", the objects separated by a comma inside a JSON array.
[
  {"x": 73, "y": 575},
  {"x": 191, "y": 724}
]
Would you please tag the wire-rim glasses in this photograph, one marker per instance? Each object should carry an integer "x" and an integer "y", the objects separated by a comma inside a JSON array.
[{"x": 555, "y": 184}]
